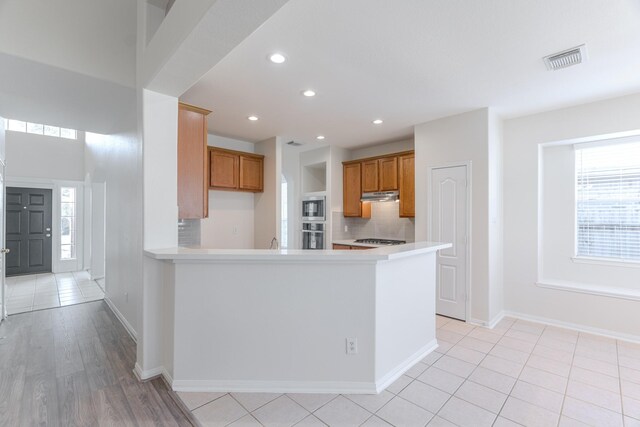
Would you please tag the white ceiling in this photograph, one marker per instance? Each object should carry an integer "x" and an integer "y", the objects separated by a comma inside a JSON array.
[{"x": 411, "y": 61}]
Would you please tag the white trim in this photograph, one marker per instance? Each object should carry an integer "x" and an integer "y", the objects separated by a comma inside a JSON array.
[
  {"x": 488, "y": 324},
  {"x": 121, "y": 318},
  {"x": 583, "y": 288},
  {"x": 403, "y": 367},
  {"x": 469, "y": 177},
  {"x": 574, "y": 326},
  {"x": 605, "y": 261},
  {"x": 148, "y": 374},
  {"x": 250, "y": 386}
]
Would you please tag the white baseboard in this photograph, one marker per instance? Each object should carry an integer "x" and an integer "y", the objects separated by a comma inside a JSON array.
[
  {"x": 332, "y": 387},
  {"x": 398, "y": 371},
  {"x": 573, "y": 326},
  {"x": 151, "y": 373},
  {"x": 488, "y": 324},
  {"x": 122, "y": 319}
]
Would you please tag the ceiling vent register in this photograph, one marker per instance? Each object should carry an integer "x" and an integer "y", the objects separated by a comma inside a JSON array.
[{"x": 566, "y": 58}]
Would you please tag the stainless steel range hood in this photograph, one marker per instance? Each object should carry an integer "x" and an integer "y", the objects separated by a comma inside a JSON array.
[{"x": 381, "y": 196}]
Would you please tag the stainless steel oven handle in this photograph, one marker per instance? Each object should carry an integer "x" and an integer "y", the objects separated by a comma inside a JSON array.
[{"x": 312, "y": 231}]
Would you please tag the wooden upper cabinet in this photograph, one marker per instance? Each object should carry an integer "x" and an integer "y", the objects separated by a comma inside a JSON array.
[
  {"x": 224, "y": 167},
  {"x": 369, "y": 176},
  {"x": 235, "y": 170},
  {"x": 388, "y": 168},
  {"x": 193, "y": 197},
  {"x": 352, "y": 190},
  {"x": 407, "y": 186},
  {"x": 251, "y": 173},
  {"x": 380, "y": 174}
]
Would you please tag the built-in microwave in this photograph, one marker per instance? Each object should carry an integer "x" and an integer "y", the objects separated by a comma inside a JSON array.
[{"x": 313, "y": 208}]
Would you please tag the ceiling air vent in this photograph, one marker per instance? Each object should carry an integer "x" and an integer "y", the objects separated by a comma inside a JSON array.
[
  {"x": 566, "y": 58},
  {"x": 294, "y": 144}
]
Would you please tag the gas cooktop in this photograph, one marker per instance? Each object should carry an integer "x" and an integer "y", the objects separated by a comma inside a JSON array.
[{"x": 381, "y": 241}]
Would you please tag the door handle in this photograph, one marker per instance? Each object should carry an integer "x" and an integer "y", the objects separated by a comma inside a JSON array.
[
  {"x": 48, "y": 229},
  {"x": 48, "y": 235},
  {"x": 5, "y": 251}
]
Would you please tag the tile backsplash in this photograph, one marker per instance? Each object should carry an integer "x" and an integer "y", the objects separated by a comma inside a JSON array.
[
  {"x": 385, "y": 223},
  {"x": 189, "y": 232}
]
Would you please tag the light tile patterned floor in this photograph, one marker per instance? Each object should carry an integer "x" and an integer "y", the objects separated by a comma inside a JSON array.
[
  {"x": 40, "y": 291},
  {"x": 519, "y": 373}
]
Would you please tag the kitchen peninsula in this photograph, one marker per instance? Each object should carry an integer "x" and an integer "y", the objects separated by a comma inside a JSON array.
[{"x": 327, "y": 321}]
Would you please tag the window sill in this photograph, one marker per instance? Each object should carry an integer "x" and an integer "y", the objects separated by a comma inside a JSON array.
[
  {"x": 603, "y": 291},
  {"x": 606, "y": 261}
]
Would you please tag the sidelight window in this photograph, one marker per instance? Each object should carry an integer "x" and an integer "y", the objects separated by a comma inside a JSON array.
[
  {"x": 608, "y": 201},
  {"x": 67, "y": 223}
]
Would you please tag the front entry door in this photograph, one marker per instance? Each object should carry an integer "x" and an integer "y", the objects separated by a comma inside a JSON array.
[
  {"x": 449, "y": 224},
  {"x": 28, "y": 231}
]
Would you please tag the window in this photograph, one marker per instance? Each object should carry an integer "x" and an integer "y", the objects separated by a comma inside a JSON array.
[
  {"x": 608, "y": 201},
  {"x": 39, "y": 129},
  {"x": 284, "y": 228},
  {"x": 67, "y": 223}
]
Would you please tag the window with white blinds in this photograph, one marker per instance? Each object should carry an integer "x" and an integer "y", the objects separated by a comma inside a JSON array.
[{"x": 608, "y": 201}]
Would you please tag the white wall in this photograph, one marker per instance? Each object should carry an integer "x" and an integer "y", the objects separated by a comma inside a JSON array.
[
  {"x": 116, "y": 160},
  {"x": 230, "y": 221},
  {"x": 98, "y": 230},
  {"x": 95, "y": 38},
  {"x": 496, "y": 220},
  {"x": 267, "y": 204},
  {"x": 456, "y": 139},
  {"x": 522, "y": 137},
  {"x": 160, "y": 127},
  {"x": 47, "y": 157},
  {"x": 382, "y": 149}
]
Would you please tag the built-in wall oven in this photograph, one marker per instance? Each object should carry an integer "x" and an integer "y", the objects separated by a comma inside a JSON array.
[
  {"x": 312, "y": 235},
  {"x": 313, "y": 208}
]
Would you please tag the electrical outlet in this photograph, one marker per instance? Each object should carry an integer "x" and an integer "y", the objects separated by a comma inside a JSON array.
[
  {"x": 235, "y": 230},
  {"x": 346, "y": 228},
  {"x": 352, "y": 345}
]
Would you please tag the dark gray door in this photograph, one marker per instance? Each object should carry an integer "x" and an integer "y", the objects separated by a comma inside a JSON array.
[{"x": 28, "y": 231}]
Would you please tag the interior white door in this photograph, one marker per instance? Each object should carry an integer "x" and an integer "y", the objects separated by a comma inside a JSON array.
[{"x": 449, "y": 224}]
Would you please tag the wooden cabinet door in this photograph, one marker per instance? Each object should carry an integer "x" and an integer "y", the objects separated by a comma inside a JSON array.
[
  {"x": 369, "y": 176},
  {"x": 193, "y": 193},
  {"x": 388, "y": 168},
  {"x": 407, "y": 186},
  {"x": 357, "y": 248},
  {"x": 341, "y": 247},
  {"x": 251, "y": 174},
  {"x": 352, "y": 190},
  {"x": 224, "y": 170}
]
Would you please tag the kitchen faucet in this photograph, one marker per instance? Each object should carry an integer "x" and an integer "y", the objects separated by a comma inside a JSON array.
[{"x": 274, "y": 242}]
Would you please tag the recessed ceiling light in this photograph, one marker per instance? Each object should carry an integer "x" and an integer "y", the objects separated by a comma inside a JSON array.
[
  {"x": 377, "y": 122},
  {"x": 309, "y": 93},
  {"x": 320, "y": 137},
  {"x": 277, "y": 58},
  {"x": 252, "y": 118}
]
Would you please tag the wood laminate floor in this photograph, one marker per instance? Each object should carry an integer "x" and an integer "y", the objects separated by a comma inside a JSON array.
[{"x": 72, "y": 366}]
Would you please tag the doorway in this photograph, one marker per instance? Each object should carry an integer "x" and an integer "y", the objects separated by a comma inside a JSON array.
[
  {"x": 28, "y": 231},
  {"x": 449, "y": 213}
]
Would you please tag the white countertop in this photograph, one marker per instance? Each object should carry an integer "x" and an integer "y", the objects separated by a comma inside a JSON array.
[
  {"x": 382, "y": 253},
  {"x": 364, "y": 245}
]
